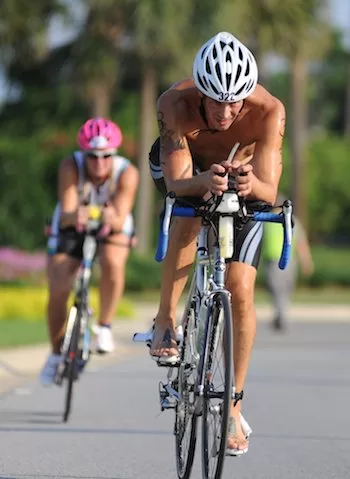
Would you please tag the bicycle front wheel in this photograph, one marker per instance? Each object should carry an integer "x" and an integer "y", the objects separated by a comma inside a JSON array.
[
  {"x": 185, "y": 418},
  {"x": 217, "y": 393},
  {"x": 71, "y": 361}
]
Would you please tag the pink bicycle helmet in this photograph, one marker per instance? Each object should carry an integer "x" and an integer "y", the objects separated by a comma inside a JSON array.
[{"x": 99, "y": 133}]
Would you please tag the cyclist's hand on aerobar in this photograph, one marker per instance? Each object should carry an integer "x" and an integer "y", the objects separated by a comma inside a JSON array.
[
  {"x": 243, "y": 176},
  {"x": 82, "y": 216},
  {"x": 216, "y": 180},
  {"x": 110, "y": 216}
]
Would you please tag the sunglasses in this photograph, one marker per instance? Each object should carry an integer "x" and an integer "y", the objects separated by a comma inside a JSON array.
[{"x": 94, "y": 155}]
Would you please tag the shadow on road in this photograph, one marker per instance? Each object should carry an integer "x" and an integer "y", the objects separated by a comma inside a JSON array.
[
  {"x": 53, "y": 417},
  {"x": 83, "y": 430},
  {"x": 30, "y": 476},
  {"x": 32, "y": 417}
]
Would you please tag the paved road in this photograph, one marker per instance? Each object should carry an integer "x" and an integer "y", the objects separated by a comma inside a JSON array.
[{"x": 297, "y": 401}]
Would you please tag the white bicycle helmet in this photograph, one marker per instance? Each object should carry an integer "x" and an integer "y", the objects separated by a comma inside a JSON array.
[{"x": 224, "y": 69}]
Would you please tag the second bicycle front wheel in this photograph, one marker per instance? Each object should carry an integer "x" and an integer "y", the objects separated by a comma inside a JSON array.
[
  {"x": 185, "y": 417},
  {"x": 71, "y": 360},
  {"x": 217, "y": 392}
]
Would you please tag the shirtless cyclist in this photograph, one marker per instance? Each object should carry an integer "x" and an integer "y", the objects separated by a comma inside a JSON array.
[{"x": 200, "y": 120}]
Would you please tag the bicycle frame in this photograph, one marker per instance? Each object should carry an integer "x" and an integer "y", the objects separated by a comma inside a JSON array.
[
  {"x": 190, "y": 388},
  {"x": 81, "y": 300}
]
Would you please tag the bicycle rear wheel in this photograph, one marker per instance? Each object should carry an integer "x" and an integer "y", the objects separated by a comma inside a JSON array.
[
  {"x": 217, "y": 392},
  {"x": 71, "y": 361},
  {"x": 185, "y": 419}
]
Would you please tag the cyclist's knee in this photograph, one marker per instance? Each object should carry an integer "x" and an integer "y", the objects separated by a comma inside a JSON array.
[
  {"x": 112, "y": 270},
  {"x": 60, "y": 288},
  {"x": 61, "y": 274},
  {"x": 240, "y": 282},
  {"x": 186, "y": 229},
  {"x": 113, "y": 259}
]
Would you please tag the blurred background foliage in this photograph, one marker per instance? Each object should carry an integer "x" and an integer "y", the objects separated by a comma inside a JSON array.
[{"x": 121, "y": 56}]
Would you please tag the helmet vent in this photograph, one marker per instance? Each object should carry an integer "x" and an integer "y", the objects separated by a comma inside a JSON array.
[
  {"x": 215, "y": 90},
  {"x": 240, "y": 90},
  {"x": 238, "y": 73},
  {"x": 249, "y": 84},
  {"x": 218, "y": 72},
  {"x": 207, "y": 66},
  {"x": 215, "y": 52},
  {"x": 222, "y": 44},
  {"x": 200, "y": 81},
  {"x": 247, "y": 70},
  {"x": 240, "y": 54},
  {"x": 204, "y": 50}
]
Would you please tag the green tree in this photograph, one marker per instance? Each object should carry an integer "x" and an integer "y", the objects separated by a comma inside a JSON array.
[
  {"x": 24, "y": 27},
  {"x": 166, "y": 36},
  {"x": 297, "y": 30},
  {"x": 96, "y": 53}
]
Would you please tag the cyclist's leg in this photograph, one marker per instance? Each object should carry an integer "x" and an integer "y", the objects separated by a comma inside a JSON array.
[
  {"x": 281, "y": 286},
  {"x": 240, "y": 281},
  {"x": 61, "y": 271},
  {"x": 175, "y": 267},
  {"x": 113, "y": 257},
  {"x": 63, "y": 262}
]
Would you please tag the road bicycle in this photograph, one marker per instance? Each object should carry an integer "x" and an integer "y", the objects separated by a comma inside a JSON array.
[
  {"x": 76, "y": 345},
  {"x": 200, "y": 382}
]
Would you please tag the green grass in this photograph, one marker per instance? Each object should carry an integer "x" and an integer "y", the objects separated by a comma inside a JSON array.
[
  {"x": 312, "y": 296},
  {"x": 16, "y": 332},
  {"x": 302, "y": 295}
]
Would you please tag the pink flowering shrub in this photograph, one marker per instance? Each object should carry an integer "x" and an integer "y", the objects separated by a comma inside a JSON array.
[{"x": 21, "y": 265}]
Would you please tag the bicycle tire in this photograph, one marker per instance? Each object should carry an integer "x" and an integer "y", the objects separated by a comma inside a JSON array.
[
  {"x": 185, "y": 418},
  {"x": 72, "y": 365},
  {"x": 217, "y": 393}
]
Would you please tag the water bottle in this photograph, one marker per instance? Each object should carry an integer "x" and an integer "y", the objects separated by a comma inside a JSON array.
[
  {"x": 202, "y": 320},
  {"x": 226, "y": 236}
]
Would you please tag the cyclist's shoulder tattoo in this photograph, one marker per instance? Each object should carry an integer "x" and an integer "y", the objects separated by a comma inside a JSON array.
[{"x": 169, "y": 140}]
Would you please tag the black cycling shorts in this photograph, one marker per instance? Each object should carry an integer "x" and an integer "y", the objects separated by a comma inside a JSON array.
[{"x": 70, "y": 242}]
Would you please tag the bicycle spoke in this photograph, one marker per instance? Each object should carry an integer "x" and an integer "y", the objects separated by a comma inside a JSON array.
[
  {"x": 185, "y": 419},
  {"x": 217, "y": 388}
]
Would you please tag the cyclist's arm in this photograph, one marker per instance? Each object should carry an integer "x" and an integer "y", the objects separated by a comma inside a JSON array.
[
  {"x": 124, "y": 198},
  {"x": 68, "y": 192},
  {"x": 267, "y": 160},
  {"x": 175, "y": 157}
]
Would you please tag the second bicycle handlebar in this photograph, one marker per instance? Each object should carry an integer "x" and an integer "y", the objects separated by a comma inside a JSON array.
[{"x": 284, "y": 218}]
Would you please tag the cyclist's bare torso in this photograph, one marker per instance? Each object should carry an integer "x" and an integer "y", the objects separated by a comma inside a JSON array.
[{"x": 187, "y": 131}]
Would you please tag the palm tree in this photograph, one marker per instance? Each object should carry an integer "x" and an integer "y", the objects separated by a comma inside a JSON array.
[
  {"x": 309, "y": 42},
  {"x": 167, "y": 35},
  {"x": 294, "y": 29},
  {"x": 24, "y": 27},
  {"x": 96, "y": 53},
  {"x": 157, "y": 45}
]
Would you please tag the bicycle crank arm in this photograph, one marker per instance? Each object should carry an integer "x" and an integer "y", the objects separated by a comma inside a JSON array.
[{"x": 168, "y": 396}]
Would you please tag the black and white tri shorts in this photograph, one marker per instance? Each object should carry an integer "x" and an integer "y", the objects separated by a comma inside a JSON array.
[{"x": 248, "y": 238}]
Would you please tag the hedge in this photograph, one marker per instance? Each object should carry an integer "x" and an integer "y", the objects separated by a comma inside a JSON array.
[{"x": 29, "y": 303}]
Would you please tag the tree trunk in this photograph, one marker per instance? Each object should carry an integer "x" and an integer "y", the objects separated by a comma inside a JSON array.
[
  {"x": 144, "y": 210},
  {"x": 100, "y": 100},
  {"x": 299, "y": 135},
  {"x": 347, "y": 102}
]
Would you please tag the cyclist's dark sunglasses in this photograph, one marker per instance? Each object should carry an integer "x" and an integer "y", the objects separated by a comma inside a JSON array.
[{"x": 95, "y": 155}]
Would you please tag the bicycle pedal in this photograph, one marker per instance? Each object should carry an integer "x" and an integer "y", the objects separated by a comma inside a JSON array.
[{"x": 168, "y": 364}]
